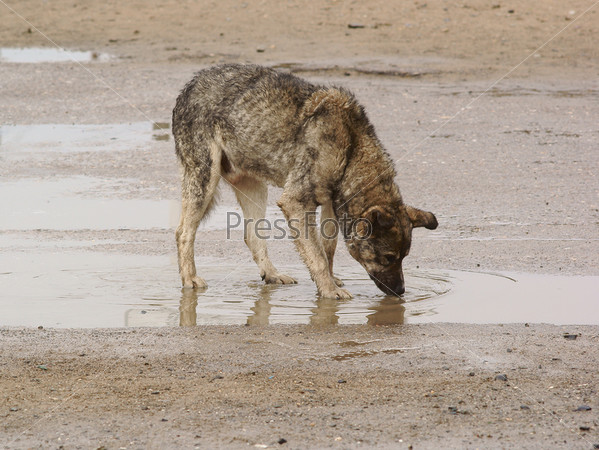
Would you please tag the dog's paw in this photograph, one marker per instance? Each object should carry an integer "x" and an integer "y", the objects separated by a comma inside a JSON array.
[
  {"x": 338, "y": 281},
  {"x": 195, "y": 283},
  {"x": 278, "y": 278},
  {"x": 337, "y": 294}
]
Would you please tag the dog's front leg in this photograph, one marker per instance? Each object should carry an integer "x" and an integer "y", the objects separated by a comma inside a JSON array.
[{"x": 309, "y": 244}]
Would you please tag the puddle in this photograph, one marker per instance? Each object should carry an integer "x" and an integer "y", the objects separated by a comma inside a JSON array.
[
  {"x": 16, "y": 140},
  {"x": 87, "y": 203},
  {"x": 84, "y": 289},
  {"x": 49, "y": 55},
  {"x": 77, "y": 203}
]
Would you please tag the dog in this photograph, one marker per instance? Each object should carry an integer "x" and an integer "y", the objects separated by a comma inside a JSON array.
[{"x": 254, "y": 126}]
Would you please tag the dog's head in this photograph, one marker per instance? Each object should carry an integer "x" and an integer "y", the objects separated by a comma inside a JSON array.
[{"x": 381, "y": 239}]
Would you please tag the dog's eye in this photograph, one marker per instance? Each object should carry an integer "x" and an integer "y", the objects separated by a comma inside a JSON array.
[{"x": 389, "y": 259}]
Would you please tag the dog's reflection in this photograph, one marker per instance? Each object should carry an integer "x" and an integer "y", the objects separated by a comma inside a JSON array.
[
  {"x": 188, "y": 315},
  {"x": 388, "y": 311},
  {"x": 262, "y": 307}
]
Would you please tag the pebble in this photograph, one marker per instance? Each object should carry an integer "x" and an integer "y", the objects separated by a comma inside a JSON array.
[
  {"x": 355, "y": 25},
  {"x": 584, "y": 428},
  {"x": 570, "y": 337},
  {"x": 524, "y": 407},
  {"x": 501, "y": 377},
  {"x": 341, "y": 381},
  {"x": 42, "y": 366},
  {"x": 14, "y": 409},
  {"x": 281, "y": 441},
  {"x": 583, "y": 408}
]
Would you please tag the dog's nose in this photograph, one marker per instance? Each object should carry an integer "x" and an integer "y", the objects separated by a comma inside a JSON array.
[
  {"x": 389, "y": 287},
  {"x": 400, "y": 289}
]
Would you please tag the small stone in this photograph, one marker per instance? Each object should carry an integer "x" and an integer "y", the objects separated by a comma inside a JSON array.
[
  {"x": 471, "y": 374},
  {"x": 355, "y": 25},
  {"x": 261, "y": 49},
  {"x": 42, "y": 366},
  {"x": 341, "y": 381},
  {"x": 155, "y": 392},
  {"x": 40, "y": 328},
  {"x": 14, "y": 409},
  {"x": 501, "y": 377},
  {"x": 511, "y": 11},
  {"x": 282, "y": 441},
  {"x": 570, "y": 337},
  {"x": 584, "y": 428},
  {"x": 524, "y": 407},
  {"x": 164, "y": 420},
  {"x": 509, "y": 350},
  {"x": 583, "y": 408}
]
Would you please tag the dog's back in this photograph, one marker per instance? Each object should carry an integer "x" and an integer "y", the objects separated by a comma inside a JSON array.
[{"x": 251, "y": 111}]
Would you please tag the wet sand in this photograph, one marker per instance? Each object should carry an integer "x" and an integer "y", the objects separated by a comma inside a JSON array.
[{"x": 504, "y": 153}]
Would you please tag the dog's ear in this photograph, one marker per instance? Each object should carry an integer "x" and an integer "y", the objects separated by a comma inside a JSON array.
[
  {"x": 421, "y": 218},
  {"x": 378, "y": 216}
]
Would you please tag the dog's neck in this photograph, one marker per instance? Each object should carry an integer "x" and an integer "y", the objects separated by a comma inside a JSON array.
[{"x": 368, "y": 181}]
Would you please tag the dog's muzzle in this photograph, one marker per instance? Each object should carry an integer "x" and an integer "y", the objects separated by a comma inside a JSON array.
[{"x": 389, "y": 283}]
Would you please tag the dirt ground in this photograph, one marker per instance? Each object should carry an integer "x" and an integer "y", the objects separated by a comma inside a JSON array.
[{"x": 490, "y": 109}]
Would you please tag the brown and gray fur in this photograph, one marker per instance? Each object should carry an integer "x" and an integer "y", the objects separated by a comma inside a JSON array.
[{"x": 254, "y": 126}]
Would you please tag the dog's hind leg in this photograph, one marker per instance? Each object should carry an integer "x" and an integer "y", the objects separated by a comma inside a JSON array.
[
  {"x": 329, "y": 230},
  {"x": 252, "y": 195},
  {"x": 197, "y": 194}
]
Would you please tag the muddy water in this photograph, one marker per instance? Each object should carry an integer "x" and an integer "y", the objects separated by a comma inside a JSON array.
[
  {"x": 89, "y": 289},
  {"x": 41, "y": 284},
  {"x": 24, "y": 141},
  {"x": 48, "y": 55}
]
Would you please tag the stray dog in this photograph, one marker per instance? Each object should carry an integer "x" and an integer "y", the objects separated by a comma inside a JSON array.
[{"x": 254, "y": 126}]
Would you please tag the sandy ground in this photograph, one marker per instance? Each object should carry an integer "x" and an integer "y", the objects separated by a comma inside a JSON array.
[{"x": 498, "y": 141}]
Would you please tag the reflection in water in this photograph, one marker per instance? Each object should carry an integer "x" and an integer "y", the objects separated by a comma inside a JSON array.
[
  {"x": 188, "y": 315},
  {"x": 86, "y": 289},
  {"x": 387, "y": 311},
  {"x": 325, "y": 312},
  {"x": 262, "y": 307}
]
